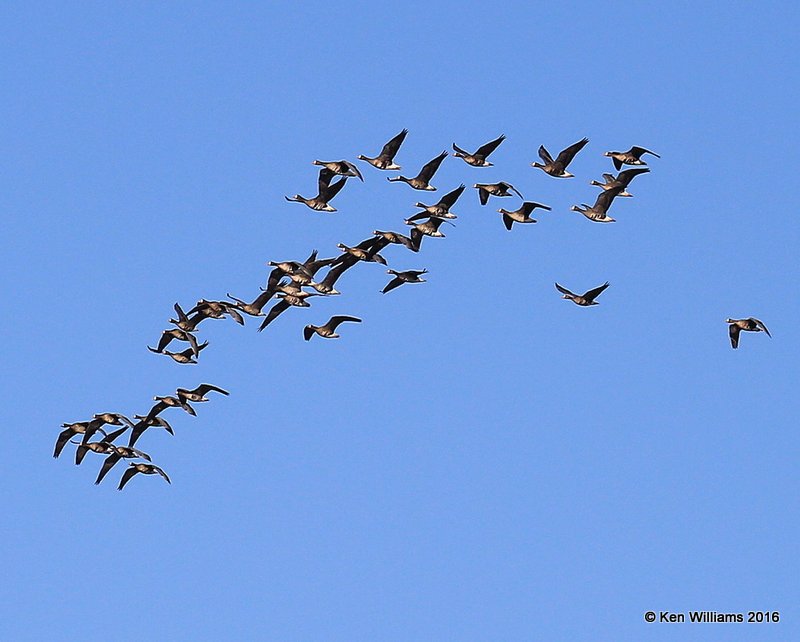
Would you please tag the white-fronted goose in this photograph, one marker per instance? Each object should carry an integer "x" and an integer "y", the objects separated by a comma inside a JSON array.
[
  {"x": 184, "y": 322},
  {"x": 199, "y": 393},
  {"x": 622, "y": 180},
  {"x": 422, "y": 180},
  {"x": 427, "y": 228},
  {"x": 145, "y": 469},
  {"x": 328, "y": 331},
  {"x": 325, "y": 192},
  {"x": 558, "y": 167},
  {"x": 101, "y": 419},
  {"x": 397, "y": 238},
  {"x": 115, "y": 453},
  {"x": 409, "y": 276},
  {"x": 145, "y": 422},
  {"x": 442, "y": 208},
  {"x": 585, "y": 299},
  {"x": 287, "y": 300},
  {"x": 70, "y": 430},
  {"x": 97, "y": 446},
  {"x": 478, "y": 159},
  {"x": 522, "y": 215},
  {"x": 255, "y": 308},
  {"x": 485, "y": 190},
  {"x": 341, "y": 168},
  {"x": 750, "y": 324},
  {"x": 599, "y": 211},
  {"x": 632, "y": 157},
  {"x": 366, "y": 251},
  {"x": 217, "y": 310},
  {"x": 167, "y": 336},
  {"x": 385, "y": 160},
  {"x": 184, "y": 357}
]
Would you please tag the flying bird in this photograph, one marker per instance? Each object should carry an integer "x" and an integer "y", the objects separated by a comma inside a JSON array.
[
  {"x": 422, "y": 180},
  {"x": 115, "y": 454},
  {"x": 485, "y": 190},
  {"x": 198, "y": 394},
  {"x": 632, "y": 157},
  {"x": 325, "y": 192},
  {"x": 751, "y": 324},
  {"x": 622, "y": 180},
  {"x": 522, "y": 215},
  {"x": 385, "y": 160},
  {"x": 167, "y": 336},
  {"x": 599, "y": 211},
  {"x": 328, "y": 331},
  {"x": 558, "y": 167},
  {"x": 409, "y": 276},
  {"x": 186, "y": 356},
  {"x": 586, "y": 299},
  {"x": 341, "y": 168},
  {"x": 442, "y": 208},
  {"x": 478, "y": 159},
  {"x": 145, "y": 469},
  {"x": 146, "y": 422}
]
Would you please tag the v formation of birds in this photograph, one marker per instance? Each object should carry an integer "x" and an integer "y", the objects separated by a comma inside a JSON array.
[{"x": 290, "y": 281}]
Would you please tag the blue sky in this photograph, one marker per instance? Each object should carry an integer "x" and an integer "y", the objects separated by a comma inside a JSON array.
[{"x": 479, "y": 459}]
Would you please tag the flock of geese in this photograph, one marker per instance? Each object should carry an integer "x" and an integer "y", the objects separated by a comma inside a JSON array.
[{"x": 292, "y": 283}]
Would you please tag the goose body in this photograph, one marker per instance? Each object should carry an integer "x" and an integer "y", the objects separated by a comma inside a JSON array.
[
  {"x": 385, "y": 160},
  {"x": 750, "y": 324},
  {"x": 599, "y": 211},
  {"x": 558, "y": 167},
  {"x": 186, "y": 356},
  {"x": 442, "y": 208},
  {"x": 485, "y": 190},
  {"x": 199, "y": 393},
  {"x": 145, "y": 469},
  {"x": 479, "y": 157},
  {"x": 326, "y": 190},
  {"x": 341, "y": 168},
  {"x": 622, "y": 180},
  {"x": 422, "y": 180},
  {"x": 522, "y": 215},
  {"x": 408, "y": 276},
  {"x": 328, "y": 331},
  {"x": 632, "y": 157}
]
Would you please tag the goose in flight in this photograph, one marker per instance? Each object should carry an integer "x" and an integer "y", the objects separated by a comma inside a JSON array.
[
  {"x": 622, "y": 180},
  {"x": 585, "y": 299},
  {"x": 167, "y": 336},
  {"x": 115, "y": 453},
  {"x": 328, "y": 331},
  {"x": 385, "y": 160},
  {"x": 145, "y": 469},
  {"x": 558, "y": 167},
  {"x": 422, "y": 181},
  {"x": 478, "y": 159},
  {"x": 146, "y": 422},
  {"x": 485, "y": 190},
  {"x": 751, "y": 324},
  {"x": 599, "y": 211},
  {"x": 442, "y": 208},
  {"x": 325, "y": 192},
  {"x": 186, "y": 356},
  {"x": 341, "y": 168},
  {"x": 632, "y": 157},
  {"x": 198, "y": 394},
  {"x": 522, "y": 215},
  {"x": 409, "y": 276}
]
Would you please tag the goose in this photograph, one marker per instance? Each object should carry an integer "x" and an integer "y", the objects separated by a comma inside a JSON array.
[
  {"x": 427, "y": 228},
  {"x": 632, "y": 157},
  {"x": 217, "y": 310},
  {"x": 97, "y": 446},
  {"x": 167, "y": 336},
  {"x": 328, "y": 331},
  {"x": 385, "y": 160},
  {"x": 184, "y": 322},
  {"x": 485, "y": 190},
  {"x": 116, "y": 453},
  {"x": 145, "y": 469},
  {"x": 162, "y": 403},
  {"x": 341, "y": 168},
  {"x": 255, "y": 308},
  {"x": 599, "y": 211},
  {"x": 326, "y": 286},
  {"x": 586, "y": 299},
  {"x": 287, "y": 301},
  {"x": 478, "y": 159},
  {"x": 397, "y": 238},
  {"x": 422, "y": 180},
  {"x": 325, "y": 192},
  {"x": 101, "y": 419},
  {"x": 558, "y": 167},
  {"x": 622, "y": 180},
  {"x": 442, "y": 208},
  {"x": 146, "y": 422},
  {"x": 184, "y": 357},
  {"x": 409, "y": 276},
  {"x": 366, "y": 251},
  {"x": 750, "y": 324},
  {"x": 198, "y": 394},
  {"x": 70, "y": 430},
  {"x": 522, "y": 215}
]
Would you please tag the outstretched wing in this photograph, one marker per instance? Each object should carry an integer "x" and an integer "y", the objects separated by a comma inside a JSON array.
[
  {"x": 605, "y": 198},
  {"x": 545, "y": 155},
  {"x": 629, "y": 174},
  {"x": 108, "y": 463},
  {"x": 162, "y": 473},
  {"x": 204, "y": 388},
  {"x": 487, "y": 148},
  {"x": 529, "y": 206},
  {"x": 325, "y": 177},
  {"x": 483, "y": 195},
  {"x": 508, "y": 221},
  {"x": 564, "y": 290},
  {"x": 326, "y": 194},
  {"x": 276, "y": 309},
  {"x": 568, "y": 154},
  {"x": 130, "y": 472},
  {"x": 429, "y": 169},
  {"x": 390, "y": 149},
  {"x": 448, "y": 200},
  {"x": 638, "y": 151},
  {"x": 760, "y": 325},
  {"x": 595, "y": 292},
  {"x": 514, "y": 189},
  {"x": 733, "y": 332},
  {"x": 394, "y": 283},
  {"x": 336, "y": 320}
]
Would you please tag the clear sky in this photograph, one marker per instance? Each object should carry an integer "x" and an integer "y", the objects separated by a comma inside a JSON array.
[{"x": 479, "y": 459}]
